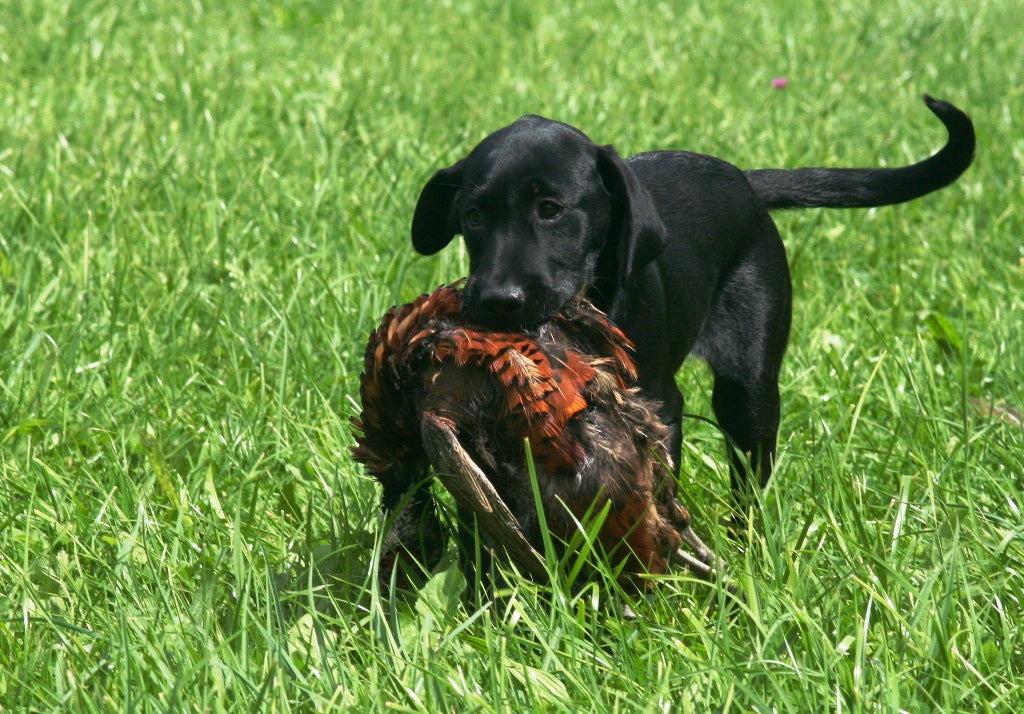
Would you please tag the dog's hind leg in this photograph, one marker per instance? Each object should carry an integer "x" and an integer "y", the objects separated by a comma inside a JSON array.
[{"x": 743, "y": 342}]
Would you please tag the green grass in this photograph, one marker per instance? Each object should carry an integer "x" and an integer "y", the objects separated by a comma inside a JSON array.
[{"x": 204, "y": 209}]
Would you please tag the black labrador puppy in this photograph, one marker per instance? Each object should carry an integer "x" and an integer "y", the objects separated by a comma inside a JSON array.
[{"x": 678, "y": 248}]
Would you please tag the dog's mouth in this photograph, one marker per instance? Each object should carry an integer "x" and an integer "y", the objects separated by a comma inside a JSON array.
[
  {"x": 526, "y": 312},
  {"x": 518, "y": 306},
  {"x": 523, "y": 320}
]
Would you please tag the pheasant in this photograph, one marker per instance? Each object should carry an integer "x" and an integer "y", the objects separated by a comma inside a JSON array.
[{"x": 439, "y": 393}]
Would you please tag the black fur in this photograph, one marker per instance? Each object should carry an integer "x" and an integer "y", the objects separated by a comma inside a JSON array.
[{"x": 677, "y": 247}]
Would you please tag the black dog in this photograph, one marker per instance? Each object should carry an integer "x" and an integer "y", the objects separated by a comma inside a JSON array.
[{"x": 678, "y": 248}]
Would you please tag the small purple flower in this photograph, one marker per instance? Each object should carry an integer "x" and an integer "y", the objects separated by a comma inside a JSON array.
[{"x": 780, "y": 82}]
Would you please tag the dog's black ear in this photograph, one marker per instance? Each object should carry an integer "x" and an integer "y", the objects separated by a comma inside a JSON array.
[
  {"x": 434, "y": 223},
  {"x": 638, "y": 234}
]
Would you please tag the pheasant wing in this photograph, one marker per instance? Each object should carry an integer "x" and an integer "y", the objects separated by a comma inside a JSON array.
[{"x": 470, "y": 487}]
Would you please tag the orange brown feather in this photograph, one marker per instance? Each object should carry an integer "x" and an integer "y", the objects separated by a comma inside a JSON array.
[{"x": 564, "y": 386}]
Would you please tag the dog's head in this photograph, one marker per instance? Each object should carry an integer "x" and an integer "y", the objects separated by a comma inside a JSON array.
[{"x": 546, "y": 215}]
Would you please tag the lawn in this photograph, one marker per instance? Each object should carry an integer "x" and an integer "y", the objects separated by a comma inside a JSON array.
[{"x": 204, "y": 210}]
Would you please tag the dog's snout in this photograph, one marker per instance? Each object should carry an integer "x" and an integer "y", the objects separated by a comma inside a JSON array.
[{"x": 503, "y": 303}]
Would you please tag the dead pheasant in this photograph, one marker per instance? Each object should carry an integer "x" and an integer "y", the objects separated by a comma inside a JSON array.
[{"x": 440, "y": 393}]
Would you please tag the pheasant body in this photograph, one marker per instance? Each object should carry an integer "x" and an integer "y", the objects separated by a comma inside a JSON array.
[{"x": 439, "y": 392}]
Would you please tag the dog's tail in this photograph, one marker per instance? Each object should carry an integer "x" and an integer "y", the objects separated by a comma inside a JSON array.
[{"x": 862, "y": 188}]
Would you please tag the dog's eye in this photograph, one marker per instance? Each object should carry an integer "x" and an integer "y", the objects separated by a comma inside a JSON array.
[
  {"x": 473, "y": 217},
  {"x": 548, "y": 209}
]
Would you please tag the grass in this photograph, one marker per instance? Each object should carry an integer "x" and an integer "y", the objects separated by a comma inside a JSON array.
[{"x": 204, "y": 209}]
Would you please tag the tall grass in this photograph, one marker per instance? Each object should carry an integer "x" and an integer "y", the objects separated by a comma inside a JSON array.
[{"x": 204, "y": 209}]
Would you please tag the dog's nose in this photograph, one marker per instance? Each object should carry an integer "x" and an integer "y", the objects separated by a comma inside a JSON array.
[{"x": 503, "y": 303}]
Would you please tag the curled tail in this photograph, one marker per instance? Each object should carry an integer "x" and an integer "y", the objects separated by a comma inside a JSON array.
[{"x": 863, "y": 188}]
